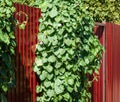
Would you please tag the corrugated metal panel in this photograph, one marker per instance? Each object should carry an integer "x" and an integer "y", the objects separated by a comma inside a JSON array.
[
  {"x": 112, "y": 62},
  {"x": 26, "y": 39},
  {"x": 116, "y": 63}
]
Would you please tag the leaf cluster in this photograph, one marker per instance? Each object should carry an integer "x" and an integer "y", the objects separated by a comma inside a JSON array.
[
  {"x": 103, "y": 10},
  {"x": 7, "y": 44},
  {"x": 27, "y": 2},
  {"x": 67, "y": 51}
]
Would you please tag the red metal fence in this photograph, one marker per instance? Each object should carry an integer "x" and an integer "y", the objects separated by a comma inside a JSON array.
[
  {"x": 112, "y": 63},
  {"x": 106, "y": 89}
]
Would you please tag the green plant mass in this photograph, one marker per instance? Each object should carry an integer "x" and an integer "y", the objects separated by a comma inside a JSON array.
[
  {"x": 7, "y": 44},
  {"x": 27, "y": 2},
  {"x": 104, "y": 10},
  {"x": 67, "y": 51}
]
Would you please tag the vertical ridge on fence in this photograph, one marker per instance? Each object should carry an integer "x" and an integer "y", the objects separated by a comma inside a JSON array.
[
  {"x": 30, "y": 57},
  {"x": 109, "y": 64},
  {"x": 119, "y": 59},
  {"x": 27, "y": 53},
  {"x": 114, "y": 66},
  {"x": 34, "y": 42},
  {"x": 26, "y": 39},
  {"x": 118, "y": 67}
]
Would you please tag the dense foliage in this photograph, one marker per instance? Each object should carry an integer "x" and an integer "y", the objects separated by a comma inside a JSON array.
[
  {"x": 7, "y": 44},
  {"x": 27, "y": 2},
  {"x": 104, "y": 10},
  {"x": 101, "y": 10},
  {"x": 67, "y": 51}
]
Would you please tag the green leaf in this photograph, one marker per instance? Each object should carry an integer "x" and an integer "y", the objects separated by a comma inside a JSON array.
[
  {"x": 11, "y": 35},
  {"x": 38, "y": 61},
  {"x": 44, "y": 54},
  {"x": 43, "y": 76},
  {"x": 66, "y": 57},
  {"x": 69, "y": 67},
  {"x": 70, "y": 81},
  {"x": 47, "y": 84},
  {"x": 71, "y": 51},
  {"x": 9, "y": 3},
  {"x": 56, "y": 72},
  {"x": 13, "y": 9},
  {"x": 44, "y": 6},
  {"x": 53, "y": 12},
  {"x": 96, "y": 71},
  {"x": 56, "y": 99},
  {"x": 55, "y": 42},
  {"x": 52, "y": 58},
  {"x": 70, "y": 89},
  {"x": 4, "y": 88},
  {"x": 50, "y": 93},
  {"x": 58, "y": 18},
  {"x": 22, "y": 26},
  {"x": 38, "y": 89},
  {"x": 86, "y": 60},
  {"x": 67, "y": 95},
  {"x": 90, "y": 71},
  {"x": 36, "y": 69},
  {"x": 58, "y": 82},
  {"x": 58, "y": 64},
  {"x": 60, "y": 51},
  {"x": 62, "y": 70},
  {"x": 60, "y": 98},
  {"x": 49, "y": 68},
  {"x": 42, "y": 38},
  {"x": 8, "y": 28},
  {"x": 67, "y": 42},
  {"x": 39, "y": 48},
  {"x": 50, "y": 76},
  {"x": 82, "y": 63},
  {"x": 59, "y": 89},
  {"x": 44, "y": 60},
  {"x": 4, "y": 38}
]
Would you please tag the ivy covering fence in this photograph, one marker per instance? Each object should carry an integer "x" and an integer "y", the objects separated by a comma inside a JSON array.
[
  {"x": 67, "y": 50},
  {"x": 7, "y": 44}
]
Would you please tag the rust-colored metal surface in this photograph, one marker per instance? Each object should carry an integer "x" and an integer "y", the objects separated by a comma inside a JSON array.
[
  {"x": 107, "y": 88},
  {"x": 112, "y": 62},
  {"x": 116, "y": 63},
  {"x": 26, "y": 39}
]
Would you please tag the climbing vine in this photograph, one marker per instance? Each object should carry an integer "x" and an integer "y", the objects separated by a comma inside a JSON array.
[
  {"x": 7, "y": 44},
  {"x": 66, "y": 53}
]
